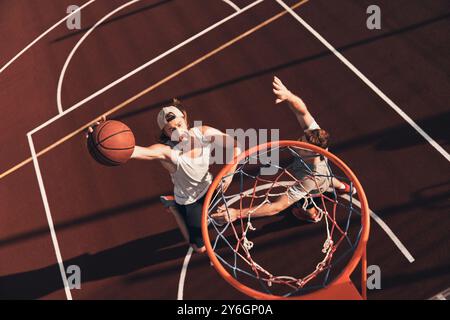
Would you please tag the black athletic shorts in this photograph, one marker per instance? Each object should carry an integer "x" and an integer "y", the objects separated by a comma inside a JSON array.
[{"x": 192, "y": 216}]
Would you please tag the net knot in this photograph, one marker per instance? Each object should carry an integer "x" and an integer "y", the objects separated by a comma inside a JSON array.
[
  {"x": 327, "y": 245},
  {"x": 247, "y": 243}
]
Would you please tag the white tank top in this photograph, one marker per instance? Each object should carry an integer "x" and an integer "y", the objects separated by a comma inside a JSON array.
[{"x": 192, "y": 177}]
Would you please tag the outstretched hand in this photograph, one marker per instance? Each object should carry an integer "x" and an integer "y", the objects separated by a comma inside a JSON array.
[
  {"x": 279, "y": 89},
  {"x": 224, "y": 215},
  {"x": 91, "y": 128}
]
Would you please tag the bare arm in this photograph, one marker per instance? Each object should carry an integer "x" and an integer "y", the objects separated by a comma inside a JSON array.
[
  {"x": 154, "y": 152},
  {"x": 268, "y": 209},
  {"x": 295, "y": 103}
]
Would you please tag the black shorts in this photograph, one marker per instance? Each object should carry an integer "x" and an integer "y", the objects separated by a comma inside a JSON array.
[{"x": 192, "y": 216}]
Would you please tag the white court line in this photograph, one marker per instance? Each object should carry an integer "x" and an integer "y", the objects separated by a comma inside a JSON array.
[
  {"x": 373, "y": 215},
  {"x": 43, "y": 35},
  {"x": 75, "y": 48},
  {"x": 149, "y": 63},
  {"x": 386, "y": 229},
  {"x": 49, "y": 219},
  {"x": 369, "y": 83},
  {"x": 232, "y": 4},
  {"x": 187, "y": 258},
  {"x": 36, "y": 163}
]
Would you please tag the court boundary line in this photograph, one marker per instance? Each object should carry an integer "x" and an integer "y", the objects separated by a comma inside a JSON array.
[
  {"x": 117, "y": 81},
  {"x": 50, "y": 223},
  {"x": 39, "y": 174},
  {"x": 369, "y": 83},
  {"x": 145, "y": 65},
  {"x": 42, "y": 35},
  {"x": 29, "y": 135},
  {"x": 372, "y": 86}
]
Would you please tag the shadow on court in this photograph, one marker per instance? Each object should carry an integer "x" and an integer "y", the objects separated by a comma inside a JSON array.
[
  {"x": 136, "y": 255},
  {"x": 119, "y": 260},
  {"x": 402, "y": 136},
  {"x": 89, "y": 218},
  {"x": 436, "y": 197}
]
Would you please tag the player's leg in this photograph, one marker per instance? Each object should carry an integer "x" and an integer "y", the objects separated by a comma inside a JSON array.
[
  {"x": 170, "y": 205},
  {"x": 192, "y": 219},
  {"x": 180, "y": 222}
]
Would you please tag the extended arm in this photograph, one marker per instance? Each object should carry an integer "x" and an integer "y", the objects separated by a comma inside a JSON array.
[
  {"x": 154, "y": 152},
  {"x": 268, "y": 209},
  {"x": 295, "y": 103}
]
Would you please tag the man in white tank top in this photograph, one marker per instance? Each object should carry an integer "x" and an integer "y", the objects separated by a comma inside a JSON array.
[{"x": 185, "y": 152}]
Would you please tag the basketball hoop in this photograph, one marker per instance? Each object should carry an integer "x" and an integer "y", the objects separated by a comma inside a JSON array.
[{"x": 233, "y": 246}]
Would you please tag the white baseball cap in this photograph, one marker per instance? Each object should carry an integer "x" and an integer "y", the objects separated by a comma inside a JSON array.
[{"x": 162, "y": 115}]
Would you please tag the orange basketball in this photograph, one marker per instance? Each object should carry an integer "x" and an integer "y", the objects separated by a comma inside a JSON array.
[{"x": 112, "y": 143}]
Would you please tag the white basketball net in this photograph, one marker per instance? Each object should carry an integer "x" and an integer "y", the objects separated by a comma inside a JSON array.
[{"x": 335, "y": 214}]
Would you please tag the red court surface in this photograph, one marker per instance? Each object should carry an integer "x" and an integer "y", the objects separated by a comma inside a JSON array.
[{"x": 109, "y": 221}]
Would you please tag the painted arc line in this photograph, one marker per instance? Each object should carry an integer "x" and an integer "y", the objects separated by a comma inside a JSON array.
[
  {"x": 87, "y": 34},
  {"x": 75, "y": 48},
  {"x": 40, "y": 180},
  {"x": 55, "y": 118},
  {"x": 232, "y": 4},
  {"x": 369, "y": 83},
  {"x": 147, "y": 64},
  {"x": 17, "y": 56},
  {"x": 99, "y": 92}
]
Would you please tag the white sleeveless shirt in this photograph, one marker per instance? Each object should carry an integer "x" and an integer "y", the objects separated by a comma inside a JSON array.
[{"x": 192, "y": 177}]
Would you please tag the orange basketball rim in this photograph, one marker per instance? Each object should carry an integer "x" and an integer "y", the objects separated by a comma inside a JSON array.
[{"x": 341, "y": 287}]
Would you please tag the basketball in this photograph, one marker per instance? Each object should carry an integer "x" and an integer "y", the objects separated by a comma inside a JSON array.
[{"x": 111, "y": 143}]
